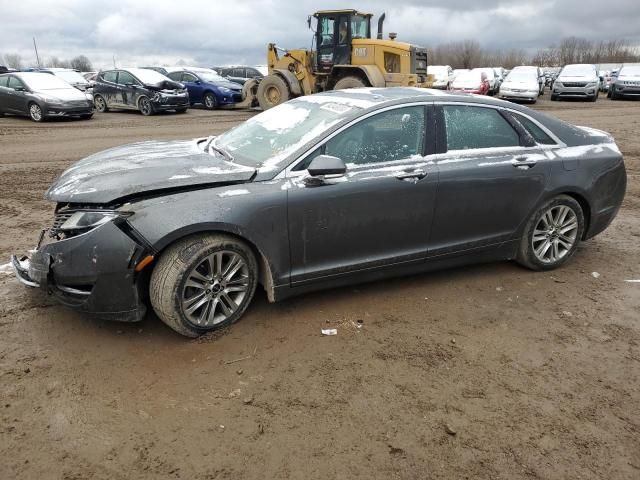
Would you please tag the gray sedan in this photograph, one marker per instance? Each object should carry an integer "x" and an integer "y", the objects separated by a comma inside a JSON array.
[
  {"x": 322, "y": 191},
  {"x": 42, "y": 96}
]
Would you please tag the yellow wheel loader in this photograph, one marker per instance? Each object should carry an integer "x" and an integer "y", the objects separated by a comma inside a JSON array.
[{"x": 343, "y": 55}]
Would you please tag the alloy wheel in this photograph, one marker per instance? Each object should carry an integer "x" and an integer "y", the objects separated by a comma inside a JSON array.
[
  {"x": 209, "y": 101},
  {"x": 215, "y": 288},
  {"x": 35, "y": 111},
  {"x": 145, "y": 106},
  {"x": 100, "y": 104},
  {"x": 555, "y": 234}
]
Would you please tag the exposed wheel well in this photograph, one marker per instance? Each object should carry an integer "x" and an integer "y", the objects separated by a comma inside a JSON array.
[
  {"x": 265, "y": 277},
  {"x": 586, "y": 209}
]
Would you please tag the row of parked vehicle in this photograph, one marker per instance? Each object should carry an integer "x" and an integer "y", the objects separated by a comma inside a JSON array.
[
  {"x": 60, "y": 92},
  {"x": 527, "y": 83}
]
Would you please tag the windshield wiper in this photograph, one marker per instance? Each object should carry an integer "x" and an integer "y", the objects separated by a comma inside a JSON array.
[{"x": 221, "y": 151}]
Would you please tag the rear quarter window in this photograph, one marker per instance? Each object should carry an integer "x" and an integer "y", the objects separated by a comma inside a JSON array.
[
  {"x": 534, "y": 130},
  {"x": 471, "y": 127},
  {"x": 110, "y": 76}
]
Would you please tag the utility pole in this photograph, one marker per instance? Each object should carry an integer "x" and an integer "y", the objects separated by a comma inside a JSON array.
[{"x": 35, "y": 47}]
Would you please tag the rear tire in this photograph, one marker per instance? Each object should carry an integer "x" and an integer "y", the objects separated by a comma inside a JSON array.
[
  {"x": 145, "y": 107},
  {"x": 272, "y": 91},
  {"x": 350, "y": 82},
  {"x": 199, "y": 271},
  {"x": 100, "y": 104},
  {"x": 552, "y": 234}
]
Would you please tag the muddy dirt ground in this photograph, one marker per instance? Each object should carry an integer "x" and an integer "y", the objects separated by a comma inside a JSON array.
[{"x": 538, "y": 374}]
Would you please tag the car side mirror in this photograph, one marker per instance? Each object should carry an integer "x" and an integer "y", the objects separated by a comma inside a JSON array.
[
  {"x": 326, "y": 165},
  {"x": 197, "y": 82}
]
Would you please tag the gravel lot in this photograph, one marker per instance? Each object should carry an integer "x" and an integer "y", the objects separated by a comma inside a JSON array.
[{"x": 489, "y": 371}]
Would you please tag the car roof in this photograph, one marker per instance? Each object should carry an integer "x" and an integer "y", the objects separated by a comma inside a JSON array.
[
  {"x": 27, "y": 75},
  {"x": 379, "y": 97}
]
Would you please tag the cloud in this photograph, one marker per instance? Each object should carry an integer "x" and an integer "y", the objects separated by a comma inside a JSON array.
[{"x": 216, "y": 33}]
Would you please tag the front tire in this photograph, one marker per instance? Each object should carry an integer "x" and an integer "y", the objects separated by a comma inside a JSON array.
[
  {"x": 210, "y": 101},
  {"x": 272, "y": 91},
  {"x": 350, "y": 82},
  {"x": 552, "y": 234},
  {"x": 145, "y": 107},
  {"x": 203, "y": 283},
  {"x": 35, "y": 112}
]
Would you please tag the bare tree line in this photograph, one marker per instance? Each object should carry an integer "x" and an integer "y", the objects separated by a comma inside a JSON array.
[
  {"x": 81, "y": 62},
  {"x": 470, "y": 54}
]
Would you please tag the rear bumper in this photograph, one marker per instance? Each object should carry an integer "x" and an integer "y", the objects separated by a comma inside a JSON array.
[{"x": 93, "y": 273}]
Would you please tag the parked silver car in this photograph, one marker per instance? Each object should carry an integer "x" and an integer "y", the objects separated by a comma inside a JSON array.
[
  {"x": 627, "y": 83},
  {"x": 577, "y": 81},
  {"x": 520, "y": 85}
]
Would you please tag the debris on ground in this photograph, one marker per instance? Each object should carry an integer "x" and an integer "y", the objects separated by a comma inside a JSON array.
[
  {"x": 329, "y": 331},
  {"x": 248, "y": 400},
  {"x": 595, "y": 274},
  {"x": 449, "y": 429}
]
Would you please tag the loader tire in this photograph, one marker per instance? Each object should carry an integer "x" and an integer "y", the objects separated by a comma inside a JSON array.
[
  {"x": 350, "y": 82},
  {"x": 272, "y": 91}
]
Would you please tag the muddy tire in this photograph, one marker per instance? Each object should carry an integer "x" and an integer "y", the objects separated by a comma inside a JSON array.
[
  {"x": 145, "y": 107},
  {"x": 100, "y": 104},
  {"x": 272, "y": 91},
  {"x": 552, "y": 234},
  {"x": 350, "y": 82},
  {"x": 202, "y": 283}
]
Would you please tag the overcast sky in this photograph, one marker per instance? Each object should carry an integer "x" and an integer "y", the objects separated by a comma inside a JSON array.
[{"x": 220, "y": 32}]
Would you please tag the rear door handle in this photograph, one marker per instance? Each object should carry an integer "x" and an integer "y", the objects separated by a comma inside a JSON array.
[
  {"x": 523, "y": 162},
  {"x": 416, "y": 174}
]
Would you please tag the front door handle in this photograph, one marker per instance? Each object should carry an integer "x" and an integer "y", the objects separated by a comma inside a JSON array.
[
  {"x": 523, "y": 163},
  {"x": 417, "y": 174}
]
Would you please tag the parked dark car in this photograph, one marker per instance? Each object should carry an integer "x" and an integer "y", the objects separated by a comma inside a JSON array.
[
  {"x": 42, "y": 96},
  {"x": 161, "y": 70},
  {"x": 239, "y": 74},
  {"x": 322, "y": 191},
  {"x": 205, "y": 86},
  {"x": 139, "y": 89}
]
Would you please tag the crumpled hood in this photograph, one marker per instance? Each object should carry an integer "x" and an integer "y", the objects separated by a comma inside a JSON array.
[{"x": 144, "y": 167}]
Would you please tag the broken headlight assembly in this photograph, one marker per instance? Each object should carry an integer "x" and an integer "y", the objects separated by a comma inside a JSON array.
[{"x": 82, "y": 221}]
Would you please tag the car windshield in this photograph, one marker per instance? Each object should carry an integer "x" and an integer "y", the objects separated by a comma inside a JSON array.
[
  {"x": 209, "y": 75},
  {"x": 632, "y": 71},
  {"x": 44, "y": 81},
  {"x": 71, "y": 76},
  {"x": 578, "y": 71},
  {"x": 469, "y": 77},
  {"x": 266, "y": 139},
  {"x": 147, "y": 76},
  {"x": 520, "y": 76}
]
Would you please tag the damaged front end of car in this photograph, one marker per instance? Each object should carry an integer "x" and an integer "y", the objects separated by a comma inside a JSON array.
[{"x": 89, "y": 260}]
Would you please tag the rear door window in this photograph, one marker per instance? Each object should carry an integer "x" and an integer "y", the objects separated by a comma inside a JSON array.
[
  {"x": 470, "y": 127},
  {"x": 3, "y": 81},
  {"x": 110, "y": 76},
  {"x": 176, "y": 76},
  {"x": 189, "y": 77}
]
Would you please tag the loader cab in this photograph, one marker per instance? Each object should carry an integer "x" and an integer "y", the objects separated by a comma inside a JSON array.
[{"x": 334, "y": 33}]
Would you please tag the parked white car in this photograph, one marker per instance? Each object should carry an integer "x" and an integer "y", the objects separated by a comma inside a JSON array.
[
  {"x": 520, "y": 85},
  {"x": 537, "y": 71},
  {"x": 443, "y": 76}
]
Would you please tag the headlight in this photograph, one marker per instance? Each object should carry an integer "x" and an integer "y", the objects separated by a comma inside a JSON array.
[
  {"x": 224, "y": 90},
  {"x": 89, "y": 96},
  {"x": 51, "y": 100},
  {"x": 87, "y": 220}
]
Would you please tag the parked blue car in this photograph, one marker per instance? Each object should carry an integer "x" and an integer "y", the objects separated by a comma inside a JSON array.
[{"x": 205, "y": 86}]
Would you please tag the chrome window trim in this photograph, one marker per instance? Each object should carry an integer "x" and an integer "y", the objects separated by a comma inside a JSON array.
[
  {"x": 288, "y": 172},
  {"x": 559, "y": 143}
]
